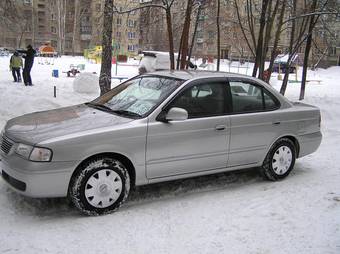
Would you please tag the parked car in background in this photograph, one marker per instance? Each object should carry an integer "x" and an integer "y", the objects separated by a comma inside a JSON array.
[
  {"x": 281, "y": 61},
  {"x": 156, "y": 61},
  {"x": 152, "y": 128}
]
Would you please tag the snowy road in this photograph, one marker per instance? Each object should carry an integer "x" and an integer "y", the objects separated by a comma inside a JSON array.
[{"x": 235, "y": 212}]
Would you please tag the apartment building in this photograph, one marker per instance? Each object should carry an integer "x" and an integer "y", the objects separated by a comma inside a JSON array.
[
  {"x": 65, "y": 24},
  {"x": 153, "y": 31},
  {"x": 125, "y": 27}
]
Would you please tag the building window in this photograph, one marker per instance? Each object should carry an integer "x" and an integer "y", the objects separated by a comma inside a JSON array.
[
  {"x": 119, "y": 34},
  {"x": 68, "y": 44},
  {"x": 85, "y": 19},
  {"x": 53, "y": 29},
  {"x": 199, "y": 34},
  {"x": 332, "y": 51},
  {"x": 119, "y": 21},
  {"x": 28, "y": 28},
  {"x": 98, "y": 7},
  {"x": 132, "y": 47},
  {"x": 132, "y": 23},
  {"x": 131, "y": 35},
  {"x": 85, "y": 30}
]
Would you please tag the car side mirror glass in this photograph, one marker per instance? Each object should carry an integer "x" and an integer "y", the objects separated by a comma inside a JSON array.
[{"x": 176, "y": 114}]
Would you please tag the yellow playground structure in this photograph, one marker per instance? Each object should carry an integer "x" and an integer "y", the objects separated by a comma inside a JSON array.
[{"x": 94, "y": 54}]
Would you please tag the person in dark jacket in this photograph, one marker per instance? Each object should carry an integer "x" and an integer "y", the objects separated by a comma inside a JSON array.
[
  {"x": 15, "y": 64},
  {"x": 29, "y": 60}
]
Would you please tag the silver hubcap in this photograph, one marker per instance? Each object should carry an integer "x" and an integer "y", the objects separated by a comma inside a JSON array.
[
  {"x": 282, "y": 160},
  {"x": 103, "y": 188}
]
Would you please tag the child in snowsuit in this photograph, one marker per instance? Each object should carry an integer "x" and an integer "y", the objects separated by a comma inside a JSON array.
[{"x": 15, "y": 64}]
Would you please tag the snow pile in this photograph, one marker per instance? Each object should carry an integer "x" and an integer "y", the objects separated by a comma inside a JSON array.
[{"x": 86, "y": 82}]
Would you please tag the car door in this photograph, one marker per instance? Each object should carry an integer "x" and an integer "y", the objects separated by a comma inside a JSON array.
[
  {"x": 199, "y": 143},
  {"x": 253, "y": 121}
]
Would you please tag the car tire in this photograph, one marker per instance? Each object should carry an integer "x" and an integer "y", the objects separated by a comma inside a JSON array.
[
  {"x": 279, "y": 161},
  {"x": 100, "y": 186}
]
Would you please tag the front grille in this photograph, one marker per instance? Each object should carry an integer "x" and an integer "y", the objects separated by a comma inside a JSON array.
[{"x": 5, "y": 144}]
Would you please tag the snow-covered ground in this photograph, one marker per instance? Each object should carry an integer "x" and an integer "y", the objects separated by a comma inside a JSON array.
[{"x": 235, "y": 212}]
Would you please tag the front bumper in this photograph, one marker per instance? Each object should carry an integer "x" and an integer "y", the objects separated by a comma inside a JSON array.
[{"x": 38, "y": 180}]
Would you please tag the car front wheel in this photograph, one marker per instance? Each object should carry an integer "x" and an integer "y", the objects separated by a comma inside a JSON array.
[
  {"x": 100, "y": 186},
  {"x": 280, "y": 160}
]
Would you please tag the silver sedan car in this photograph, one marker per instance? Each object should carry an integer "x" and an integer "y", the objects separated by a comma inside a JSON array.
[{"x": 153, "y": 128}]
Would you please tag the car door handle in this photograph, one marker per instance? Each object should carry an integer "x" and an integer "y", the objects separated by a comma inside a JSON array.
[
  {"x": 276, "y": 123},
  {"x": 220, "y": 127}
]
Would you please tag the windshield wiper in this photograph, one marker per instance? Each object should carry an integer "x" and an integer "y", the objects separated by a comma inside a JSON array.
[
  {"x": 99, "y": 106},
  {"x": 117, "y": 111},
  {"x": 126, "y": 113}
]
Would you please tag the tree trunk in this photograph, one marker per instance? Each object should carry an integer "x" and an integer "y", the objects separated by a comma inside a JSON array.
[
  {"x": 195, "y": 31},
  {"x": 268, "y": 35},
  {"x": 61, "y": 7},
  {"x": 290, "y": 51},
  {"x": 170, "y": 38},
  {"x": 218, "y": 36},
  {"x": 75, "y": 35},
  {"x": 307, "y": 50},
  {"x": 185, "y": 34},
  {"x": 105, "y": 70},
  {"x": 276, "y": 40},
  {"x": 259, "y": 48}
]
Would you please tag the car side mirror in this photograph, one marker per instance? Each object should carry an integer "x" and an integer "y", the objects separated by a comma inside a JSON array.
[{"x": 174, "y": 114}]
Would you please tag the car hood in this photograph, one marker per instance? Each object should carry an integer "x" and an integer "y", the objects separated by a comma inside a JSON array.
[{"x": 40, "y": 126}]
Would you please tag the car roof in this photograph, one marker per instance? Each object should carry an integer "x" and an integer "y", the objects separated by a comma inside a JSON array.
[
  {"x": 197, "y": 74},
  {"x": 193, "y": 74}
]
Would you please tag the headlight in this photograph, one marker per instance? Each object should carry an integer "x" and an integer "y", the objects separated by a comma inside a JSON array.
[
  {"x": 24, "y": 150},
  {"x": 34, "y": 153},
  {"x": 41, "y": 154}
]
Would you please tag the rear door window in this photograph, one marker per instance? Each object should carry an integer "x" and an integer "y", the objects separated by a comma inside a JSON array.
[{"x": 247, "y": 97}]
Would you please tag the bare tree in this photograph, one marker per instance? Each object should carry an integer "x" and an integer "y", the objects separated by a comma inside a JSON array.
[
  {"x": 312, "y": 22},
  {"x": 184, "y": 45},
  {"x": 218, "y": 35},
  {"x": 166, "y": 5},
  {"x": 14, "y": 17},
  {"x": 75, "y": 34},
  {"x": 61, "y": 22},
  {"x": 105, "y": 70},
  {"x": 273, "y": 54},
  {"x": 199, "y": 10}
]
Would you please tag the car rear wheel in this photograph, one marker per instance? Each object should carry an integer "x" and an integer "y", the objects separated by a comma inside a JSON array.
[
  {"x": 280, "y": 160},
  {"x": 100, "y": 186}
]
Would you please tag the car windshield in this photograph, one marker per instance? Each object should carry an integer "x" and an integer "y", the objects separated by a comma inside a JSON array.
[{"x": 136, "y": 98}]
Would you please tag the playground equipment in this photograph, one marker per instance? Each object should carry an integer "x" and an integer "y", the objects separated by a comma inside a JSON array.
[
  {"x": 94, "y": 54},
  {"x": 74, "y": 70},
  {"x": 241, "y": 64},
  {"x": 47, "y": 54}
]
